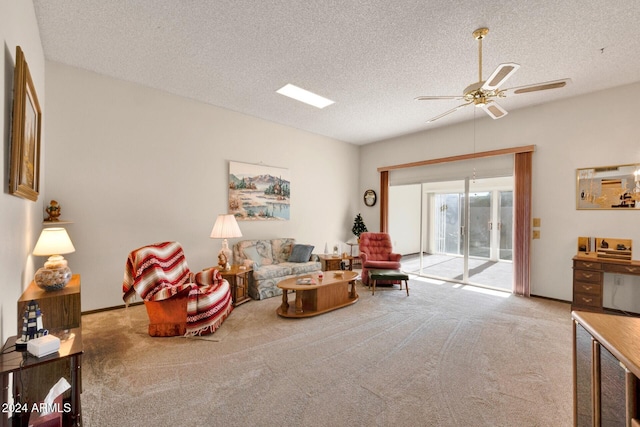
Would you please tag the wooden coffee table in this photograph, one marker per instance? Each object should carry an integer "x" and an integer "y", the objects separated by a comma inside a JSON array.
[{"x": 326, "y": 294}]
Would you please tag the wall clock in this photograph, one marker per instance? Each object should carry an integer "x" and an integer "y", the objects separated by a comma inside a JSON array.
[{"x": 370, "y": 198}]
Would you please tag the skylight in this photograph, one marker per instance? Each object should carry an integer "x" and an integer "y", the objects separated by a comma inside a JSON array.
[{"x": 305, "y": 96}]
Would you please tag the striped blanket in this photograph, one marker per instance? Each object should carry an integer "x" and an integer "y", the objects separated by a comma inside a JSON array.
[{"x": 159, "y": 271}]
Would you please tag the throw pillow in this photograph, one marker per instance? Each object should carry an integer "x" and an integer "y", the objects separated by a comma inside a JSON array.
[
  {"x": 252, "y": 253},
  {"x": 300, "y": 253}
]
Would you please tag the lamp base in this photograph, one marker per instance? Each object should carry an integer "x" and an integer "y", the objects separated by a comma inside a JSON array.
[
  {"x": 52, "y": 279},
  {"x": 224, "y": 256}
]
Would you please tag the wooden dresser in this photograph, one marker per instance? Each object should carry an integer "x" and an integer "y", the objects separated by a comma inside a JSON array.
[
  {"x": 588, "y": 278},
  {"x": 606, "y": 368}
]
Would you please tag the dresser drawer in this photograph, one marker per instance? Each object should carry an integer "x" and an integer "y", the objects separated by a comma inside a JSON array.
[
  {"x": 587, "y": 265},
  {"x": 587, "y": 301},
  {"x": 587, "y": 276},
  {"x": 587, "y": 288},
  {"x": 623, "y": 269}
]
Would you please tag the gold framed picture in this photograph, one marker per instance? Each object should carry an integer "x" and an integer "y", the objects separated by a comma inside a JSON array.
[{"x": 24, "y": 179}]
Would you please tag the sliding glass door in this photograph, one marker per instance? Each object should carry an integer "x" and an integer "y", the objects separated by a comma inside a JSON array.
[{"x": 466, "y": 232}]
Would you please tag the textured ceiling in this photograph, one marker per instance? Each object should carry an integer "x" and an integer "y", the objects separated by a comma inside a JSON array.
[{"x": 371, "y": 57}]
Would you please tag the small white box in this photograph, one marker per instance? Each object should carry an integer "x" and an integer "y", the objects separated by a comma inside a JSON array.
[{"x": 43, "y": 346}]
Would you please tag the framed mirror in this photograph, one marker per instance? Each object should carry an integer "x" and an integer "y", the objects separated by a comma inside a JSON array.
[
  {"x": 608, "y": 187},
  {"x": 370, "y": 197}
]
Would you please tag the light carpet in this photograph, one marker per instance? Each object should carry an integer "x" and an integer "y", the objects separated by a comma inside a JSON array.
[{"x": 447, "y": 355}]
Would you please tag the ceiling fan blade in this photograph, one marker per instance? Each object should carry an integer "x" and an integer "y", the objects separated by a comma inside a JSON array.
[
  {"x": 500, "y": 75},
  {"x": 494, "y": 110},
  {"x": 446, "y": 113},
  {"x": 555, "y": 84},
  {"x": 431, "y": 98}
]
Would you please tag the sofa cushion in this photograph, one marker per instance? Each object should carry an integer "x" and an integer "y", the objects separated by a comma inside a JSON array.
[
  {"x": 301, "y": 253},
  {"x": 302, "y": 267},
  {"x": 271, "y": 271},
  {"x": 262, "y": 247},
  {"x": 281, "y": 249},
  {"x": 252, "y": 253}
]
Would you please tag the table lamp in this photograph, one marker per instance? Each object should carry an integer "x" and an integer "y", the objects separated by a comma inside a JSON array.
[
  {"x": 55, "y": 274},
  {"x": 225, "y": 228}
]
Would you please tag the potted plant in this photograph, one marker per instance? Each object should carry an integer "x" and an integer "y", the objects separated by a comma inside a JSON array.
[{"x": 358, "y": 227}]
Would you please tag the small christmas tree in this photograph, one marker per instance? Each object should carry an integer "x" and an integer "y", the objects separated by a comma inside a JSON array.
[{"x": 358, "y": 226}]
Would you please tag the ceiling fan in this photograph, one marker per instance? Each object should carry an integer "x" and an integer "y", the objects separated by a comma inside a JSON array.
[{"x": 483, "y": 92}]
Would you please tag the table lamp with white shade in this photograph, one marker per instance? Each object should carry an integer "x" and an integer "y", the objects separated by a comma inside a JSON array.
[
  {"x": 226, "y": 227},
  {"x": 53, "y": 242}
]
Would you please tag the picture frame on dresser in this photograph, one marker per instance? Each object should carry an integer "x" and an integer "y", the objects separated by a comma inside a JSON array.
[{"x": 24, "y": 179}]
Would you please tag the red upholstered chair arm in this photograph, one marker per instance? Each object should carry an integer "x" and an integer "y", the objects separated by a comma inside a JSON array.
[
  {"x": 363, "y": 257},
  {"x": 394, "y": 257}
]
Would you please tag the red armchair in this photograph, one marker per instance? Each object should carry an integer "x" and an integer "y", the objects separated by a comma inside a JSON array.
[{"x": 376, "y": 252}]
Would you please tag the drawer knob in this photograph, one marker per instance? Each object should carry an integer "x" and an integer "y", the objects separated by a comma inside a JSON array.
[
  {"x": 587, "y": 300},
  {"x": 587, "y": 288},
  {"x": 588, "y": 264},
  {"x": 588, "y": 275},
  {"x": 631, "y": 269}
]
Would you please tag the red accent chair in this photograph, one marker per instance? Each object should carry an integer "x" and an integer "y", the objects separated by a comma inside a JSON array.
[{"x": 376, "y": 252}]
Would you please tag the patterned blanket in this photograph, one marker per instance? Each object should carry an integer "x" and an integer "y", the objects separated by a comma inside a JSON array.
[{"x": 159, "y": 271}]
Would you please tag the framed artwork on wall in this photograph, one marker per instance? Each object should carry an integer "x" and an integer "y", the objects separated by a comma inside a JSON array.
[
  {"x": 24, "y": 179},
  {"x": 258, "y": 192}
]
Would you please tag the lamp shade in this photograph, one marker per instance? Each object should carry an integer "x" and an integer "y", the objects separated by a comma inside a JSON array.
[
  {"x": 53, "y": 241},
  {"x": 226, "y": 227}
]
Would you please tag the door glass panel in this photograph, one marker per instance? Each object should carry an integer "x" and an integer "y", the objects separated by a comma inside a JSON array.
[
  {"x": 443, "y": 257},
  {"x": 479, "y": 224},
  {"x": 506, "y": 225},
  {"x": 449, "y": 210}
]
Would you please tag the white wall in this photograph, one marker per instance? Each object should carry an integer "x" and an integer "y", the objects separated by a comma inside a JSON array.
[
  {"x": 405, "y": 203},
  {"x": 594, "y": 130},
  {"x": 132, "y": 166},
  {"x": 20, "y": 219}
]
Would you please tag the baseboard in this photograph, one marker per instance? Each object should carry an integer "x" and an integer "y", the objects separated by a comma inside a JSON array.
[{"x": 117, "y": 307}]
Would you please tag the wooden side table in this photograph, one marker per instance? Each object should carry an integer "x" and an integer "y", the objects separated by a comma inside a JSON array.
[
  {"x": 13, "y": 362},
  {"x": 239, "y": 281},
  {"x": 333, "y": 262},
  {"x": 356, "y": 258},
  {"x": 61, "y": 312},
  {"x": 61, "y": 309}
]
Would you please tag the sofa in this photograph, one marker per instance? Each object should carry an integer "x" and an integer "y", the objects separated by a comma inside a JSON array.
[{"x": 273, "y": 261}]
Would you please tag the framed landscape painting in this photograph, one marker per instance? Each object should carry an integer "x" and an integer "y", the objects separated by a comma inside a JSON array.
[
  {"x": 24, "y": 179},
  {"x": 258, "y": 192}
]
